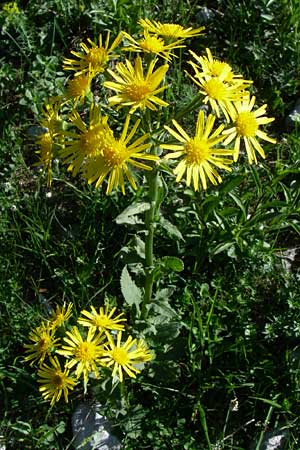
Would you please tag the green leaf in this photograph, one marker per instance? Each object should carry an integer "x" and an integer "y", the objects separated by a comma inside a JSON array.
[
  {"x": 173, "y": 263},
  {"x": 128, "y": 216},
  {"x": 171, "y": 229},
  {"x": 131, "y": 293}
]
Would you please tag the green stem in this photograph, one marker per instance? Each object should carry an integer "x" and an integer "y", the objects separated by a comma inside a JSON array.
[{"x": 150, "y": 222}]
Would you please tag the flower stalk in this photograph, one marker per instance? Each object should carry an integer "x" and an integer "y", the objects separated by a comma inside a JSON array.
[{"x": 150, "y": 223}]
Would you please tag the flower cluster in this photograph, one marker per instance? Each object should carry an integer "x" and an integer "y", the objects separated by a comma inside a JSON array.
[
  {"x": 86, "y": 140},
  {"x": 65, "y": 353}
]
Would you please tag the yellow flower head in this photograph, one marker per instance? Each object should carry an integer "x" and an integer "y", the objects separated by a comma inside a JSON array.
[
  {"x": 94, "y": 58},
  {"x": 46, "y": 146},
  {"x": 43, "y": 344},
  {"x": 216, "y": 68},
  {"x": 218, "y": 92},
  {"x": 134, "y": 89},
  {"x": 51, "y": 122},
  {"x": 116, "y": 157},
  {"x": 83, "y": 353},
  {"x": 79, "y": 87},
  {"x": 61, "y": 315},
  {"x": 198, "y": 153},
  {"x": 98, "y": 154},
  {"x": 246, "y": 126},
  {"x": 50, "y": 117},
  {"x": 80, "y": 147},
  {"x": 145, "y": 353},
  {"x": 152, "y": 44},
  {"x": 11, "y": 8},
  {"x": 170, "y": 30},
  {"x": 102, "y": 320},
  {"x": 122, "y": 356},
  {"x": 55, "y": 381}
]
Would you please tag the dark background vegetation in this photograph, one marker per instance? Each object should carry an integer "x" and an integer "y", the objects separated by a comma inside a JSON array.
[{"x": 236, "y": 334}]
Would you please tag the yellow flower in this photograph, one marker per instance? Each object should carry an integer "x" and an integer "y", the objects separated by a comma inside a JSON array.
[
  {"x": 218, "y": 92},
  {"x": 43, "y": 343},
  {"x": 198, "y": 152},
  {"x": 216, "y": 68},
  {"x": 122, "y": 357},
  {"x": 116, "y": 157},
  {"x": 79, "y": 87},
  {"x": 153, "y": 45},
  {"x": 97, "y": 153},
  {"x": 55, "y": 381},
  {"x": 134, "y": 89},
  {"x": 94, "y": 58},
  {"x": 61, "y": 315},
  {"x": 169, "y": 30},
  {"x": 51, "y": 122},
  {"x": 103, "y": 320},
  {"x": 145, "y": 353},
  {"x": 51, "y": 119},
  {"x": 84, "y": 354},
  {"x": 11, "y": 8},
  {"x": 46, "y": 145},
  {"x": 88, "y": 142},
  {"x": 246, "y": 126}
]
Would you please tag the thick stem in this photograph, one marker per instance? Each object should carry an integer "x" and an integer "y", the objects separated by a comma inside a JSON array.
[{"x": 150, "y": 222}]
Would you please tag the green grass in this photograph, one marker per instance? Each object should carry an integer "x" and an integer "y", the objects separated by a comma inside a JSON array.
[{"x": 227, "y": 326}]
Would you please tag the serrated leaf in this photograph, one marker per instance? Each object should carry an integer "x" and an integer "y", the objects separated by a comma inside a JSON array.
[
  {"x": 171, "y": 229},
  {"x": 131, "y": 293},
  {"x": 128, "y": 216},
  {"x": 173, "y": 263}
]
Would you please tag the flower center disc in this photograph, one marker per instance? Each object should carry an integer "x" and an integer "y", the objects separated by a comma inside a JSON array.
[
  {"x": 197, "y": 151},
  {"x": 215, "y": 89},
  {"x": 79, "y": 85},
  {"x": 114, "y": 154},
  {"x": 86, "y": 351},
  {"x": 171, "y": 30},
  {"x": 96, "y": 57},
  {"x": 120, "y": 356},
  {"x": 152, "y": 44},
  {"x": 138, "y": 92},
  {"x": 44, "y": 344},
  {"x": 91, "y": 140},
  {"x": 217, "y": 67},
  {"x": 58, "y": 380},
  {"x": 101, "y": 321},
  {"x": 246, "y": 124}
]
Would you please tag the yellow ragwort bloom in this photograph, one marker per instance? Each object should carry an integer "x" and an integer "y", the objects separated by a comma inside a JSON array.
[
  {"x": 215, "y": 68},
  {"x": 170, "y": 30},
  {"x": 102, "y": 320},
  {"x": 145, "y": 354},
  {"x": 246, "y": 127},
  {"x": 198, "y": 153},
  {"x": 97, "y": 154},
  {"x": 11, "y": 8},
  {"x": 46, "y": 145},
  {"x": 78, "y": 147},
  {"x": 83, "y": 353},
  {"x": 134, "y": 89},
  {"x": 152, "y": 44},
  {"x": 122, "y": 356},
  {"x": 94, "y": 58},
  {"x": 55, "y": 381},
  {"x": 51, "y": 122},
  {"x": 218, "y": 93},
  {"x": 61, "y": 315},
  {"x": 78, "y": 87},
  {"x": 44, "y": 343},
  {"x": 116, "y": 157}
]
